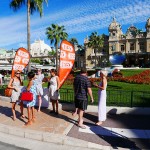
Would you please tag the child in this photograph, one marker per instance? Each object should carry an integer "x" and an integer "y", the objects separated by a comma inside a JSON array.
[{"x": 30, "y": 105}]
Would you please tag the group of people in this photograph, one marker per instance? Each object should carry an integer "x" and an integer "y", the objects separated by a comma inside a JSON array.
[
  {"x": 82, "y": 88},
  {"x": 35, "y": 81}
]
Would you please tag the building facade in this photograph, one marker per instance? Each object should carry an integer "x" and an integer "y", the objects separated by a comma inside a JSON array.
[{"x": 135, "y": 44}]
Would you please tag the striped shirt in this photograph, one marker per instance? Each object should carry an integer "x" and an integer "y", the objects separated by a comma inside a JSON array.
[{"x": 81, "y": 85}]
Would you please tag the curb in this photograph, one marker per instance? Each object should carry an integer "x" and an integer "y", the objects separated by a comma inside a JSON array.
[{"x": 50, "y": 137}]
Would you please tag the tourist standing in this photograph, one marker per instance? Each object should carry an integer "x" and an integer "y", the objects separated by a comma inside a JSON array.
[
  {"x": 39, "y": 79},
  {"x": 102, "y": 97},
  {"x": 31, "y": 87},
  {"x": 82, "y": 87},
  {"x": 54, "y": 90},
  {"x": 15, "y": 83}
]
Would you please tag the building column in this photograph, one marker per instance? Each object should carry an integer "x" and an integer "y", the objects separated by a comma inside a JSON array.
[
  {"x": 137, "y": 47},
  {"x": 127, "y": 46}
]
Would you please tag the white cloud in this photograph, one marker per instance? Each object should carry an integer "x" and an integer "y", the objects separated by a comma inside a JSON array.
[{"x": 85, "y": 16}]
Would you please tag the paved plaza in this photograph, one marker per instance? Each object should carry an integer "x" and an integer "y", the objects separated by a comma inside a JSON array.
[{"x": 120, "y": 131}]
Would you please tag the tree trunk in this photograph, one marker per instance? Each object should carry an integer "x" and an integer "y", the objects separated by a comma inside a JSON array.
[
  {"x": 95, "y": 57},
  {"x": 28, "y": 32},
  {"x": 56, "y": 46}
]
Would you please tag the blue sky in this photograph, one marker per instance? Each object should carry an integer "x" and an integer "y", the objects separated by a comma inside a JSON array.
[{"x": 80, "y": 18}]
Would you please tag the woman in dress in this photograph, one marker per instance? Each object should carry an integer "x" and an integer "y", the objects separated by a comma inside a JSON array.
[
  {"x": 15, "y": 83},
  {"x": 102, "y": 97},
  {"x": 31, "y": 87},
  {"x": 53, "y": 90},
  {"x": 39, "y": 79}
]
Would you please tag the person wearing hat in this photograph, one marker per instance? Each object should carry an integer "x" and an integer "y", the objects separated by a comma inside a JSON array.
[{"x": 102, "y": 97}]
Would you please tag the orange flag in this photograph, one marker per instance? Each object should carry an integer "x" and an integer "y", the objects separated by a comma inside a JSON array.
[
  {"x": 21, "y": 60},
  {"x": 67, "y": 58}
]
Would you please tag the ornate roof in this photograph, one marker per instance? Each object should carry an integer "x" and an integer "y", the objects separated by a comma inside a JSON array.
[
  {"x": 114, "y": 25},
  {"x": 147, "y": 23}
]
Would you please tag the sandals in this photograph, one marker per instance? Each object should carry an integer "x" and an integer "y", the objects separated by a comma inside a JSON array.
[
  {"x": 98, "y": 123},
  {"x": 22, "y": 116},
  {"x": 82, "y": 126},
  {"x": 28, "y": 123}
]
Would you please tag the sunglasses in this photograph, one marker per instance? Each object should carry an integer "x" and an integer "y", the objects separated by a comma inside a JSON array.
[{"x": 17, "y": 73}]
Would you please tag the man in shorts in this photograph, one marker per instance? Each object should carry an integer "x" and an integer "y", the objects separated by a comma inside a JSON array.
[{"x": 82, "y": 87}]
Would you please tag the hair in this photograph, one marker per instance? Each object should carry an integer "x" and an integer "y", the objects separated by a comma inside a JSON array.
[
  {"x": 104, "y": 72},
  {"x": 31, "y": 75},
  {"x": 83, "y": 70},
  {"x": 53, "y": 70},
  {"x": 18, "y": 77},
  {"x": 17, "y": 71}
]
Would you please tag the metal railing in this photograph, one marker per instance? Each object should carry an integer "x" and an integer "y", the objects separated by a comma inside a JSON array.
[
  {"x": 114, "y": 98},
  {"x": 118, "y": 98}
]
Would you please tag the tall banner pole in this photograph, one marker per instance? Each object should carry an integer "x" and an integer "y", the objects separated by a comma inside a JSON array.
[
  {"x": 67, "y": 58},
  {"x": 21, "y": 60}
]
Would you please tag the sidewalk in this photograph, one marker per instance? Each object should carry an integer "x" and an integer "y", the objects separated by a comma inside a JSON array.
[{"x": 62, "y": 129}]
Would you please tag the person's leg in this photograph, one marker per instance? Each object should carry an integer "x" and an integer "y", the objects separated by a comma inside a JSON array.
[
  {"x": 80, "y": 123},
  {"x": 53, "y": 106},
  {"x": 29, "y": 116},
  {"x": 13, "y": 111},
  {"x": 56, "y": 106},
  {"x": 75, "y": 113},
  {"x": 40, "y": 102},
  {"x": 33, "y": 114},
  {"x": 21, "y": 109}
]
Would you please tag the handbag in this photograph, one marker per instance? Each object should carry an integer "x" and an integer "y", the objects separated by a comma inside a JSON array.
[
  {"x": 8, "y": 92},
  {"x": 26, "y": 96}
]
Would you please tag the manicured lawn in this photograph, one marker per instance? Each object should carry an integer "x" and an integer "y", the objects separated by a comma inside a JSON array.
[{"x": 131, "y": 72}]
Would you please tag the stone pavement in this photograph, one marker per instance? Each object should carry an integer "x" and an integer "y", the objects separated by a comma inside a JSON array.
[{"x": 62, "y": 128}]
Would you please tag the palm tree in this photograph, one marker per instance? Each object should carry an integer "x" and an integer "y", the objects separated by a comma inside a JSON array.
[
  {"x": 55, "y": 34},
  {"x": 96, "y": 42},
  {"x": 32, "y": 6},
  {"x": 73, "y": 41}
]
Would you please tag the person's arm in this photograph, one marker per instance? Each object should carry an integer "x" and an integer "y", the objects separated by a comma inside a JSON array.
[
  {"x": 10, "y": 84},
  {"x": 91, "y": 95},
  {"x": 103, "y": 85},
  {"x": 29, "y": 85},
  {"x": 58, "y": 83}
]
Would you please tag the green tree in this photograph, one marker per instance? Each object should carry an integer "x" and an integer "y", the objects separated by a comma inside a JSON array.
[
  {"x": 96, "y": 42},
  {"x": 73, "y": 41},
  {"x": 52, "y": 55},
  {"x": 32, "y": 6},
  {"x": 55, "y": 34}
]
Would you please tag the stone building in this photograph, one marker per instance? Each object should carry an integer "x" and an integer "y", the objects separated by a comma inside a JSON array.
[{"x": 135, "y": 43}]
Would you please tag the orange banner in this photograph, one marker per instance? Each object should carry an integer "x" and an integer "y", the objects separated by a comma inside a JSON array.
[
  {"x": 67, "y": 58},
  {"x": 21, "y": 60}
]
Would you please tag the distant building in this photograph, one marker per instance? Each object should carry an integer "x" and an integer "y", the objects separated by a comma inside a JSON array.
[
  {"x": 135, "y": 43},
  {"x": 38, "y": 50}
]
